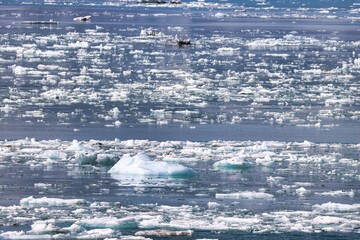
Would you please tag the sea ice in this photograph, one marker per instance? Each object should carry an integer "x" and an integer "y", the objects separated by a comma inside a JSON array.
[
  {"x": 246, "y": 195},
  {"x": 227, "y": 51},
  {"x": 302, "y": 192},
  {"x": 141, "y": 164},
  {"x": 164, "y": 233},
  {"x": 233, "y": 163},
  {"x": 339, "y": 193},
  {"x": 44, "y": 201},
  {"x": 96, "y": 234},
  {"x": 336, "y": 207},
  {"x": 108, "y": 222},
  {"x": 43, "y": 227}
]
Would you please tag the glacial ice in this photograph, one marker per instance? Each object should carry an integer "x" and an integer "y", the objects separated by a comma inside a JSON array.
[{"x": 141, "y": 164}]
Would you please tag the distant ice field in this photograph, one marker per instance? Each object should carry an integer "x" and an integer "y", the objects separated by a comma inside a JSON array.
[{"x": 258, "y": 67}]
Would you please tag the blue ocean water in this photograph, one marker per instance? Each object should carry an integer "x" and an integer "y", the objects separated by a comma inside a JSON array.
[{"x": 267, "y": 90}]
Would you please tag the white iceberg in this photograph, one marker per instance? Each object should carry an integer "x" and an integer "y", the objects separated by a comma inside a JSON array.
[{"x": 142, "y": 165}]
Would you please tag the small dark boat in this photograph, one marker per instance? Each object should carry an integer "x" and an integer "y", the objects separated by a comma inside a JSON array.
[{"x": 183, "y": 42}]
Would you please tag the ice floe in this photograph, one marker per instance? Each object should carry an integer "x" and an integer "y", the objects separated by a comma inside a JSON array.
[
  {"x": 141, "y": 164},
  {"x": 246, "y": 195},
  {"x": 45, "y": 201}
]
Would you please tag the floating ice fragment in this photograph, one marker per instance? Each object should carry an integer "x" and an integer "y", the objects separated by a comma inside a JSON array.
[
  {"x": 76, "y": 146},
  {"x": 150, "y": 32},
  {"x": 325, "y": 220},
  {"x": 84, "y": 158},
  {"x": 79, "y": 44},
  {"x": 220, "y": 15},
  {"x": 95, "y": 158},
  {"x": 17, "y": 235},
  {"x": 227, "y": 51},
  {"x": 108, "y": 222},
  {"x": 336, "y": 207},
  {"x": 129, "y": 238},
  {"x": 164, "y": 233},
  {"x": 265, "y": 161},
  {"x": 213, "y": 205},
  {"x": 141, "y": 164},
  {"x": 274, "y": 181},
  {"x": 54, "y": 155},
  {"x": 242, "y": 224},
  {"x": 301, "y": 192},
  {"x": 42, "y": 185},
  {"x": 96, "y": 234},
  {"x": 43, "y": 227},
  {"x": 106, "y": 159},
  {"x": 44, "y": 201},
  {"x": 233, "y": 163},
  {"x": 246, "y": 195},
  {"x": 19, "y": 70},
  {"x": 114, "y": 113},
  {"x": 117, "y": 123},
  {"x": 339, "y": 193}
]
